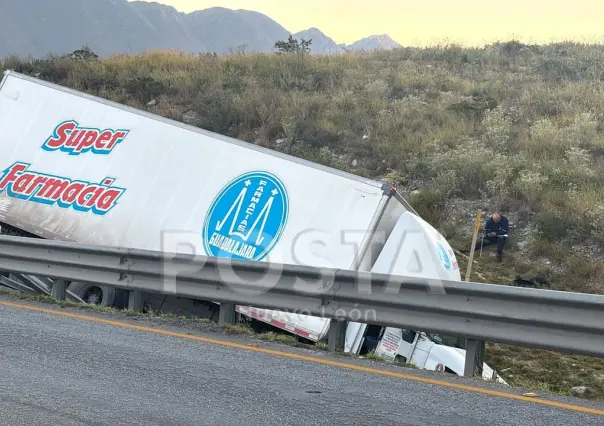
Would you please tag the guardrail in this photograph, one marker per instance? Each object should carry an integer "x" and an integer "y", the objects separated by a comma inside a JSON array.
[{"x": 545, "y": 319}]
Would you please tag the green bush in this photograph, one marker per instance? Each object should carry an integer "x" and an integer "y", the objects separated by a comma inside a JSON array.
[{"x": 430, "y": 205}]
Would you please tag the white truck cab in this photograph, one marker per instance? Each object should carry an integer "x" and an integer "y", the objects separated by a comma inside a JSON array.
[
  {"x": 414, "y": 249},
  {"x": 426, "y": 351}
]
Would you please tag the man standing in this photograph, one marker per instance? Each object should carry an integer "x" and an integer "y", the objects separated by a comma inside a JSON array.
[{"x": 496, "y": 231}]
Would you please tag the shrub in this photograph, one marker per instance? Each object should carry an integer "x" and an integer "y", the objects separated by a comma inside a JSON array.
[{"x": 430, "y": 205}]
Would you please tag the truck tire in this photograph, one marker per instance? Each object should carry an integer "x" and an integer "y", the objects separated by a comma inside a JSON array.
[{"x": 93, "y": 293}]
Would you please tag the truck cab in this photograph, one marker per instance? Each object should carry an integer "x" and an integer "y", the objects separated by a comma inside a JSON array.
[
  {"x": 414, "y": 249},
  {"x": 426, "y": 351}
]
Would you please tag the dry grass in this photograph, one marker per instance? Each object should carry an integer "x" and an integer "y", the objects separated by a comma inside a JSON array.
[
  {"x": 519, "y": 126},
  {"x": 548, "y": 371}
]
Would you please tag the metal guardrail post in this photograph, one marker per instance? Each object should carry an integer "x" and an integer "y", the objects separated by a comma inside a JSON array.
[
  {"x": 474, "y": 357},
  {"x": 135, "y": 300},
  {"x": 470, "y": 365},
  {"x": 336, "y": 336},
  {"x": 480, "y": 353},
  {"x": 59, "y": 289},
  {"x": 226, "y": 314}
]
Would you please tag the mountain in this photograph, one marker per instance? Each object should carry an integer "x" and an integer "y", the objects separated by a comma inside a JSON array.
[
  {"x": 172, "y": 25},
  {"x": 321, "y": 44},
  {"x": 42, "y": 27},
  {"x": 223, "y": 29},
  {"x": 375, "y": 42}
]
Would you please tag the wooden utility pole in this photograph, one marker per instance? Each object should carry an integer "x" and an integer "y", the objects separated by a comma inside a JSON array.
[
  {"x": 474, "y": 347},
  {"x": 474, "y": 239}
]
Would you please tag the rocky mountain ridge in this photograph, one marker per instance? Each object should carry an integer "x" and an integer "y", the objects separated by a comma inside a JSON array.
[{"x": 38, "y": 28}]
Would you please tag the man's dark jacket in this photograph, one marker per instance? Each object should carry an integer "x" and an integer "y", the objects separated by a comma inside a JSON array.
[{"x": 500, "y": 228}]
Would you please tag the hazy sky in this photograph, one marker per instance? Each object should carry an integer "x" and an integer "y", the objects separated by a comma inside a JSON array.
[{"x": 413, "y": 22}]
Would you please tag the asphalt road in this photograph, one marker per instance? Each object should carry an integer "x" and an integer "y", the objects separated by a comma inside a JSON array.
[{"x": 65, "y": 371}]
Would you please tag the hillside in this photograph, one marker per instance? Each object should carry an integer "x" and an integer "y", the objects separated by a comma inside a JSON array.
[
  {"x": 510, "y": 126},
  {"x": 29, "y": 28}
]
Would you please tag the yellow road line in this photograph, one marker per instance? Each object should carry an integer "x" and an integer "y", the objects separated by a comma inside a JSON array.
[{"x": 312, "y": 359}]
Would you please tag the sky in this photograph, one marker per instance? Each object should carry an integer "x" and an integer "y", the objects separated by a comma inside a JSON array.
[{"x": 429, "y": 22}]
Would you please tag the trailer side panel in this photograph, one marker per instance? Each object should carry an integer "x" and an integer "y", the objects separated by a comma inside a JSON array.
[{"x": 84, "y": 169}]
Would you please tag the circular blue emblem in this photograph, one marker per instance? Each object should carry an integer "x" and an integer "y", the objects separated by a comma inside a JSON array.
[
  {"x": 444, "y": 256},
  {"x": 246, "y": 219}
]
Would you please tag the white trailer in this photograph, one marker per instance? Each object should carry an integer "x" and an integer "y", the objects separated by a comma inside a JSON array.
[{"x": 81, "y": 168}]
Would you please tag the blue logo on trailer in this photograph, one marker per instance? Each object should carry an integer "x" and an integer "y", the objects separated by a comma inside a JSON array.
[
  {"x": 247, "y": 217},
  {"x": 444, "y": 256}
]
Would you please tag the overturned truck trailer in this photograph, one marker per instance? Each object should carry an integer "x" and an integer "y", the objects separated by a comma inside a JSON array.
[{"x": 81, "y": 168}]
